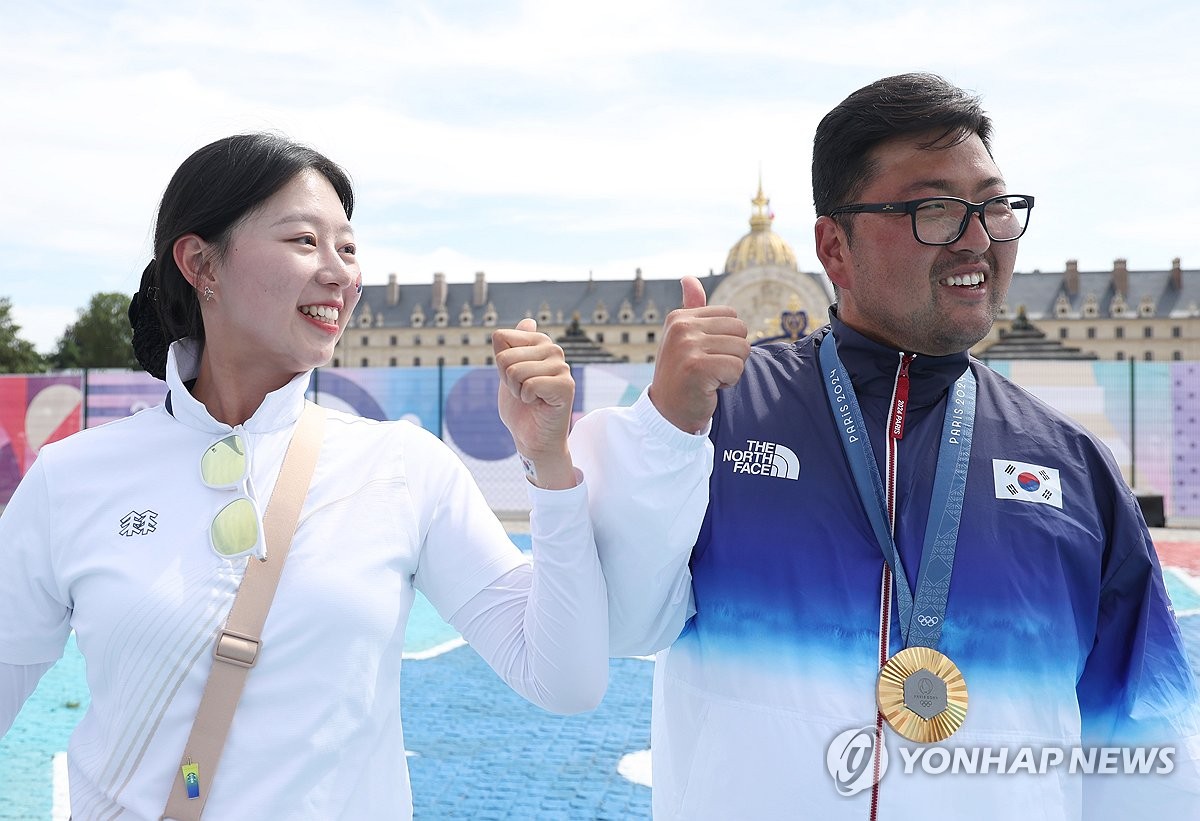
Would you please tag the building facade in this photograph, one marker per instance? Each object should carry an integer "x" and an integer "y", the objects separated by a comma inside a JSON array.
[{"x": 1113, "y": 315}]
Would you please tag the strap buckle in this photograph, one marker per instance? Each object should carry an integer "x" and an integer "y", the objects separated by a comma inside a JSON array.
[{"x": 236, "y": 648}]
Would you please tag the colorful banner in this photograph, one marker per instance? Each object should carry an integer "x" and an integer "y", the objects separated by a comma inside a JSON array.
[
  {"x": 1147, "y": 413},
  {"x": 34, "y": 410}
]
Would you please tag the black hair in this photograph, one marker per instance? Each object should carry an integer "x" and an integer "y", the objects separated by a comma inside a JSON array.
[
  {"x": 210, "y": 193},
  {"x": 898, "y": 106}
]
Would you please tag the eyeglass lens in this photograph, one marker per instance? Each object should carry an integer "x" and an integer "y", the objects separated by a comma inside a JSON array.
[
  {"x": 235, "y": 528},
  {"x": 941, "y": 221},
  {"x": 224, "y": 463}
]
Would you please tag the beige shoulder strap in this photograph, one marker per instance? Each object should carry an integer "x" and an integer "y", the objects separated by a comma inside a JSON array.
[{"x": 238, "y": 644}]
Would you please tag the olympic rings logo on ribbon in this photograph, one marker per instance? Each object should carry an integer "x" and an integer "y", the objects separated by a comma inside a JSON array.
[{"x": 927, "y": 621}]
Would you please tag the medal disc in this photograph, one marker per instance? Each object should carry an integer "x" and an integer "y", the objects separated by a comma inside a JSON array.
[{"x": 922, "y": 694}]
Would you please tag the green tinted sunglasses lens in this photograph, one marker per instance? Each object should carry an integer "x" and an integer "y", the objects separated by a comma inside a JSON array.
[
  {"x": 235, "y": 529},
  {"x": 224, "y": 463}
]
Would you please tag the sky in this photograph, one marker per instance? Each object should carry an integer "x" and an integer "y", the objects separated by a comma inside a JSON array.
[{"x": 554, "y": 139}]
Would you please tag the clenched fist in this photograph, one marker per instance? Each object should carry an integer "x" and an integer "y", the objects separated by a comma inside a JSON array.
[
  {"x": 535, "y": 400},
  {"x": 703, "y": 349}
]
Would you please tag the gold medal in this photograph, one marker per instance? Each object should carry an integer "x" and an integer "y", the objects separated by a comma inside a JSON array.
[{"x": 922, "y": 694}]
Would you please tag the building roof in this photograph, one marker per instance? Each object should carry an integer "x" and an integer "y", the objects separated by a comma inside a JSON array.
[
  {"x": 647, "y": 300},
  {"x": 1039, "y": 291}
]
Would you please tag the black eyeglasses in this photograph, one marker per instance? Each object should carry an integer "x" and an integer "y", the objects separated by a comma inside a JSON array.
[{"x": 943, "y": 220}]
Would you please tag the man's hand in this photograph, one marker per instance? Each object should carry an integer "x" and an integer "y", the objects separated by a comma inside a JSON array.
[
  {"x": 703, "y": 349},
  {"x": 535, "y": 399}
]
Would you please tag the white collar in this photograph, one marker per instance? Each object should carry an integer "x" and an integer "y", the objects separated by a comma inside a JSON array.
[{"x": 279, "y": 409}]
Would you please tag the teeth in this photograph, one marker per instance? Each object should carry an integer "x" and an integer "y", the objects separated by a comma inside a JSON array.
[
  {"x": 964, "y": 279},
  {"x": 320, "y": 312}
]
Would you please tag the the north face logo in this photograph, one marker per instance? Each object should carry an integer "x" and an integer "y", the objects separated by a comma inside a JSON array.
[{"x": 764, "y": 459}]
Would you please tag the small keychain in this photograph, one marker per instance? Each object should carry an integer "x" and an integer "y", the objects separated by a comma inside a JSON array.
[{"x": 191, "y": 779}]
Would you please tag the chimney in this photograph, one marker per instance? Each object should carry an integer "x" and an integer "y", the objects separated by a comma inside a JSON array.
[
  {"x": 393, "y": 290},
  {"x": 639, "y": 286},
  {"x": 1071, "y": 277},
  {"x": 438, "y": 297},
  {"x": 1176, "y": 275},
  {"x": 479, "y": 299},
  {"x": 1120, "y": 277}
]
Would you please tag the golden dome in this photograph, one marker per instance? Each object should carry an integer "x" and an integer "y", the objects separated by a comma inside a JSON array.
[{"x": 761, "y": 247}]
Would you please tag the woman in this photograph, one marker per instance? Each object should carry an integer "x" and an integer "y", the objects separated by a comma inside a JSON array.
[{"x": 253, "y": 281}]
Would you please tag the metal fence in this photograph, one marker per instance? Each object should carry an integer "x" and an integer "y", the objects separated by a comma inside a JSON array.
[{"x": 1147, "y": 413}]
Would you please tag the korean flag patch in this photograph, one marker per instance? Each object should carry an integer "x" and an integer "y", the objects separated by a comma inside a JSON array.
[{"x": 1027, "y": 482}]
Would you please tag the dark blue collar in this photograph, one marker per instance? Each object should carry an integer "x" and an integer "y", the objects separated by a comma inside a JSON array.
[{"x": 872, "y": 366}]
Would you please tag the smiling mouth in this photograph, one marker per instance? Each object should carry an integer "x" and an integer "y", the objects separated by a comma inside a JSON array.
[
  {"x": 322, "y": 312},
  {"x": 964, "y": 280}
]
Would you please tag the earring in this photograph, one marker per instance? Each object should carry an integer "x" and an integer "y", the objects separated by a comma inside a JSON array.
[{"x": 208, "y": 294}]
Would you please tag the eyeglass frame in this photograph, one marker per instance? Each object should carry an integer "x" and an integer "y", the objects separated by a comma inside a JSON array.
[
  {"x": 910, "y": 207},
  {"x": 245, "y": 491}
]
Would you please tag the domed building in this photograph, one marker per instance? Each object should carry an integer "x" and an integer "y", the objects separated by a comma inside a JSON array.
[{"x": 763, "y": 282}]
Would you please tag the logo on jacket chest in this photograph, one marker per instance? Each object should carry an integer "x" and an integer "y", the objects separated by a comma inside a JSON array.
[
  {"x": 761, "y": 458},
  {"x": 134, "y": 523}
]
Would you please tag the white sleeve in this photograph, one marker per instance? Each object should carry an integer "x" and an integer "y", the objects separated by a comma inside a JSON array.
[
  {"x": 35, "y": 610},
  {"x": 17, "y": 681},
  {"x": 648, "y": 495},
  {"x": 544, "y": 628}
]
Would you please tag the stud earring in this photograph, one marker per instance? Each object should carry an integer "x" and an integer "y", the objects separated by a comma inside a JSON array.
[{"x": 208, "y": 294}]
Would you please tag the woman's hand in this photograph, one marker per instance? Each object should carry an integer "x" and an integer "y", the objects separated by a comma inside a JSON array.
[{"x": 535, "y": 401}]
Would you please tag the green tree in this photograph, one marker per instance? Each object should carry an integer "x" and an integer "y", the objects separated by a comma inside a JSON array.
[
  {"x": 100, "y": 338},
  {"x": 16, "y": 355}
]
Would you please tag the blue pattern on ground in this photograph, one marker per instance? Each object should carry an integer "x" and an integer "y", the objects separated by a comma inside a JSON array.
[{"x": 483, "y": 752}]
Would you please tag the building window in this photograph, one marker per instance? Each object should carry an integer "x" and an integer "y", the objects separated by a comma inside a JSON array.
[
  {"x": 600, "y": 337},
  {"x": 1120, "y": 356},
  {"x": 441, "y": 339},
  {"x": 1176, "y": 331},
  {"x": 466, "y": 339},
  {"x": 416, "y": 339},
  {"x": 1148, "y": 356},
  {"x": 416, "y": 361},
  {"x": 337, "y": 362},
  {"x": 650, "y": 358},
  {"x": 649, "y": 336},
  {"x": 1148, "y": 332},
  {"x": 1091, "y": 333},
  {"x": 1062, "y": 333},
  {"x": 1177, "y": 355},
  {"x": 489, "y": 361},
  {"x": 366, "y": 340},
  {"x": 1119, "y": 332},
  {"x": 392, "y": 361},
  {"x": 466, "y": 360},
  {"x": 365, "y": 363},
  {"x": 392, "y": 340},
  {"x": 625, "y": 338}
]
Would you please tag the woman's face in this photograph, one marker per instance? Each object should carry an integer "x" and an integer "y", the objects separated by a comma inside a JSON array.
[{"x": 287, "y": 284}]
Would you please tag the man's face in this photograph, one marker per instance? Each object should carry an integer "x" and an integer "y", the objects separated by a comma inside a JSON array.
[{"x": 899, "y": 292}]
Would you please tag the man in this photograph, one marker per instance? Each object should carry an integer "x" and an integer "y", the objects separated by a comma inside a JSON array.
[{"x": 889, "y": 582}]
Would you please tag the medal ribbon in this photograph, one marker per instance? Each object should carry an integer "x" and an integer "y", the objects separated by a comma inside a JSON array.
[{"x": 920, "y": 619}]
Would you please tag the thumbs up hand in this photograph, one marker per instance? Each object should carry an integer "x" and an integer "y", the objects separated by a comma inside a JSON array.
[
  {"x": 703, "y": 349},
  {"x": 535, "y": 399}
]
